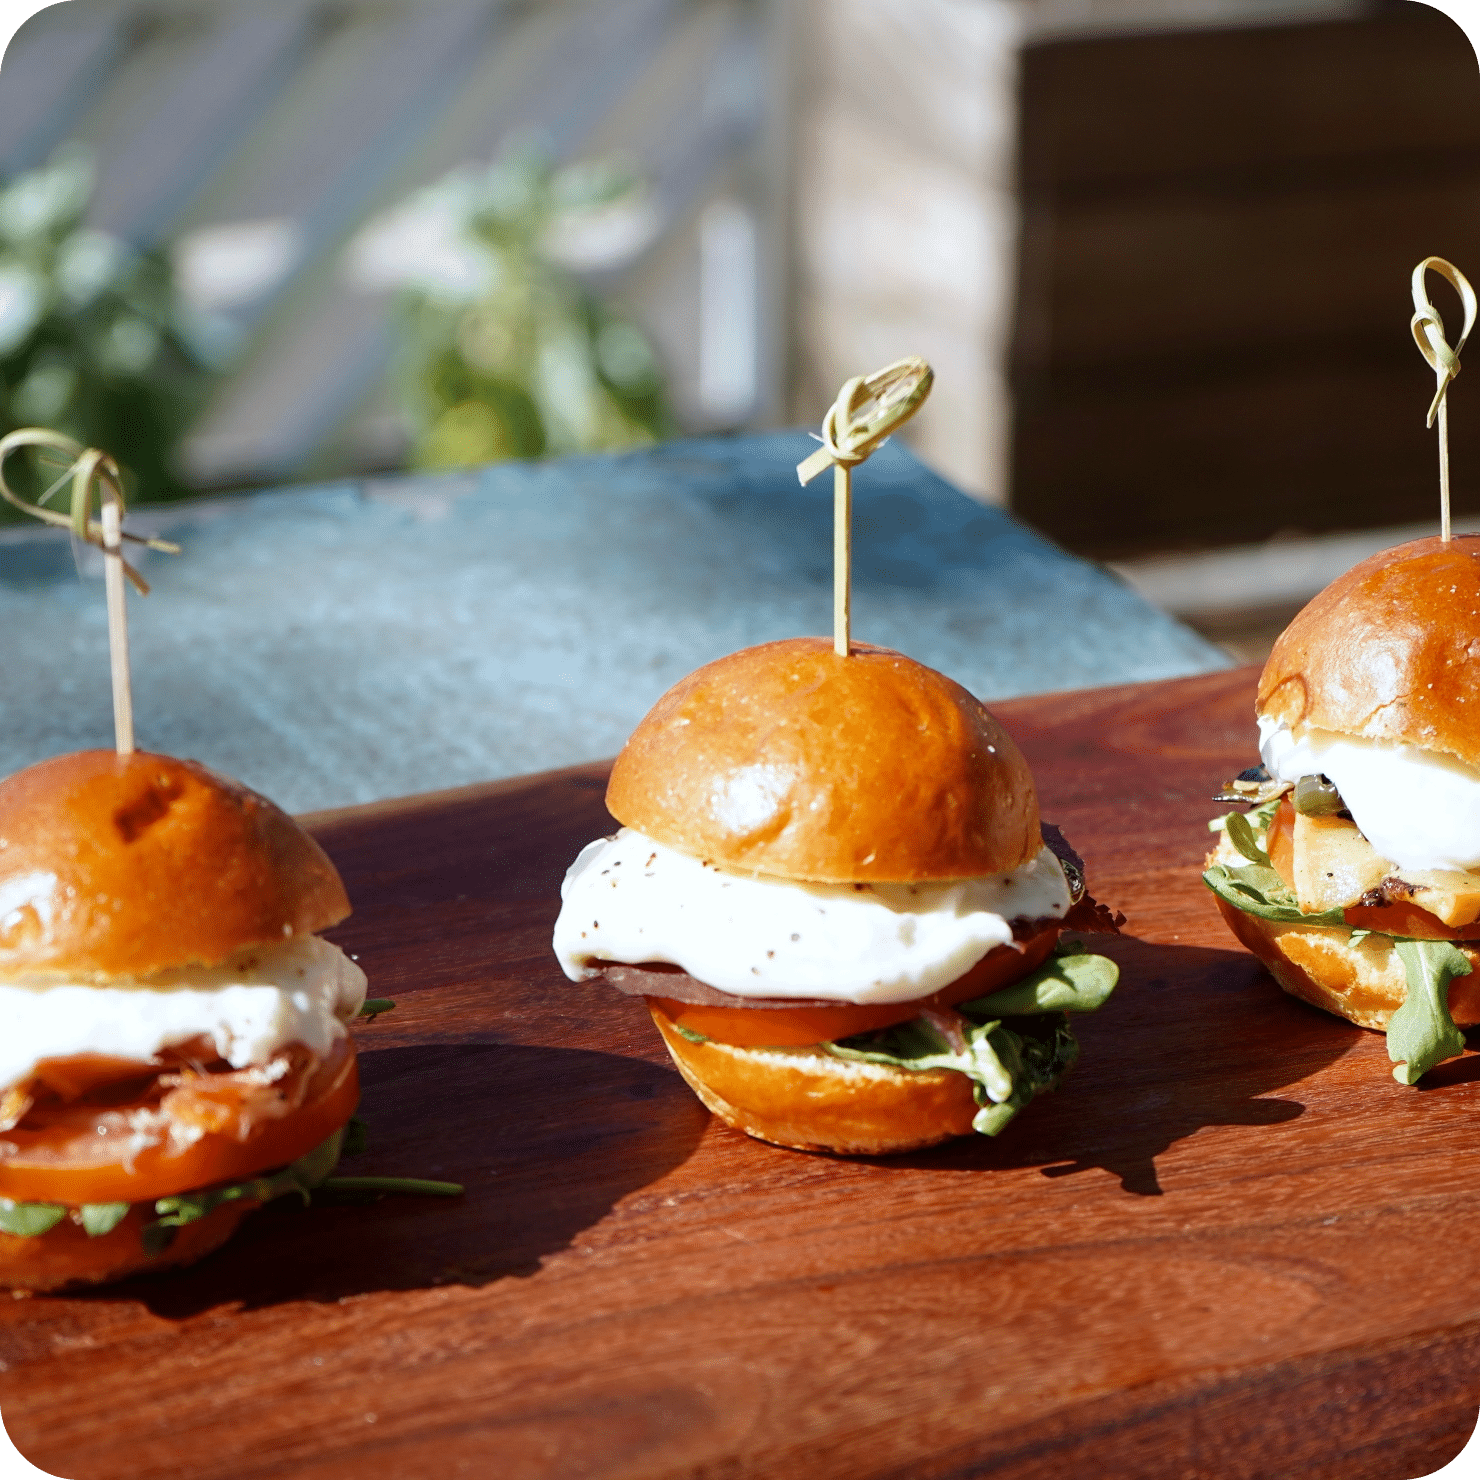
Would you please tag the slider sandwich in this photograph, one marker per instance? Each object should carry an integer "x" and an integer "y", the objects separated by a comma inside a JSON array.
[
  {"x": 173, "y": 1049},
  {"x": 833, "y": 890},
  {"x": 1355, "y": 876}
]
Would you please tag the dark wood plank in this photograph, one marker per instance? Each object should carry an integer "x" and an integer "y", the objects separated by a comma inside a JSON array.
[
  {"x": 1211, "y": 336},
  {"x": 1229, "y": 1246}
]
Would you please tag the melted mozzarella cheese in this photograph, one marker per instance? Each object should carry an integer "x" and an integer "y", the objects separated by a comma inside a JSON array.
[
  {"x": 298, "y": 991},
  {"x": 1419, "y": 808},
  {"x": 627, "y": 898}
]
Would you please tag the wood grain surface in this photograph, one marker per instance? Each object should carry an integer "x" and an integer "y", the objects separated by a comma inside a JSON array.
[{"x": 1229, "y": 1246}]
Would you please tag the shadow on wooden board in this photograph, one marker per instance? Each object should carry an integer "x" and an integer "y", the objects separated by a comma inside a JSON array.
[
  {"x": 1129, "y": 1099},
  {"x": 545, "y": 1140}
]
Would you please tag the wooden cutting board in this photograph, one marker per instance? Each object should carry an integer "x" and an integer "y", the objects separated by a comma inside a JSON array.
[{"x": 1229, "y": 1246}]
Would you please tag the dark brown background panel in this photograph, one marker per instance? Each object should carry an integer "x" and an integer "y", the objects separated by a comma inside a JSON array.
[{"x": 1212, "y": 341}]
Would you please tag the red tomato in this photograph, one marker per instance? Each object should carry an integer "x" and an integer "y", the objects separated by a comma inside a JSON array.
[
  {"x": 68, "y": 1161},
  {"x": 782, "y": 1027}
]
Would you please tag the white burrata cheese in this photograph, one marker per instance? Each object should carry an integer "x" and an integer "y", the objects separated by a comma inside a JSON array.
[
  {"x": 629, "y": 899},
  {"x": 297, "y": 991},
  {"x": 1419, "y": 808}
]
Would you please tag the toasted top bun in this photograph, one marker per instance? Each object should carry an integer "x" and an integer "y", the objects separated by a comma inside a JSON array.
[
  {"x": 114, "y": 865},
  {"x": 788, "y": 760},
  {"x": 1389, "y": 651}
]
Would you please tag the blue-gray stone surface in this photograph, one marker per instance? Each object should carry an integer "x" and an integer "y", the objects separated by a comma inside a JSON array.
[{"x": 345, "y": 643}]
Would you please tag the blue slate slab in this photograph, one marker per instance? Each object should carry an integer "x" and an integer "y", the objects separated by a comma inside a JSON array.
[{"x": 345, "y": 643}]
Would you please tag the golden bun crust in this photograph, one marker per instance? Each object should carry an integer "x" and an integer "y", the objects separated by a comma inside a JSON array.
[
  {"x": 116, "y": 865},
  {"x": 1387, "y": 651},
  {"x": 788, "y": 760},
  {"x": 67, "y": 1257},
  {"x": 1363, "y": 983},
  {"x": 810, "y": 1101}
]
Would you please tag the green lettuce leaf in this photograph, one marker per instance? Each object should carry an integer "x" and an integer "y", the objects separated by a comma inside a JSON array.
[
  {"x": 28, "y": 1219},
  {"x": 1421, "y": 1033},
  {"x": 1017, "y": 1041},
  {"x": 1257, "y": 889},
  {"x": 1243, "y": 837},
  {"x": 101, "y": 1218},
  {"x": 301, "y": 1176},
  {"x": 1072, "y": 982},
  {"x": 1007, "y": 1065},
  {"x": 305, "y": 1176}
]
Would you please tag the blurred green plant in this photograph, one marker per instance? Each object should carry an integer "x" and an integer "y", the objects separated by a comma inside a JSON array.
[
  {"x": 505, "y": 352},
  {"x": 95, "y": 341}
]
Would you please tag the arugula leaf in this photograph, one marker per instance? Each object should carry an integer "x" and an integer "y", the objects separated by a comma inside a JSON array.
[
  {"x": 380, "y": 1186},
  {"x": 1073, "y": 982},
  {"x": 1042, "y": 1052},
  {"x": 1421, "y": 1033},
  {"x": 1008, "y": 1061},
  {"x": 1007, "y": 1065},
  {"x": 1241, "y": 835},
  {"x": 1258, "y": 890},
  {"x": 31, "y": 1219},
  {"x": 28, "y": 1219},
  {"x": 356, "y": 1137},
  {"x": 101, "y": 1218},
  {"x": 301, "y": 1176},
  {"x": 1018, "y": 1043},
  {"x": 1258, "y": 818}
]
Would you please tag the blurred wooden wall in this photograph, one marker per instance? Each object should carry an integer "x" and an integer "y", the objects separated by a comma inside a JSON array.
[{"x": 1212, "y": 341}]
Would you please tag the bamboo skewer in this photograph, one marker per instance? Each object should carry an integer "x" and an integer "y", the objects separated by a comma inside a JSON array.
[
  {"x": 123, "y": 693},
  {"x": 92, "y": 473},
  {"x": 868, "y": 409},
  {"x": 1428, "y": 334}
]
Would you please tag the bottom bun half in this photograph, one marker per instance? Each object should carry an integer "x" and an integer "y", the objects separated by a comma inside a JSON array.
[
  {"x": 67, "y": 1256},
  {"x": 1364, "y": 983},
  {"x": 810, "y": 1101}
]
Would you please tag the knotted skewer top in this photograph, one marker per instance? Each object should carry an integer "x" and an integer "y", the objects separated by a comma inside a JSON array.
[
  {"x": 95, "y": 478},
  {"x": 868, "y": 409},
  {"x": 1428, "y": 334},
  {"x": 1428, "y": 327}
]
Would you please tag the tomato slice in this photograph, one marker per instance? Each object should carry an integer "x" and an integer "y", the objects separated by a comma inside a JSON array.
[
  {"x": 786, "y": 1027},
  {"x": 68, "y": 1161}
]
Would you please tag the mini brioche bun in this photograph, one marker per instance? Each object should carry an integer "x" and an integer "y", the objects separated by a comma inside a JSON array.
[
  {"x": 124, "y": 865},
  {"x": 810, "y": 1101},
  {"x": 788, "y": 760},
  {"x": 67, "y": 1256},
  {"x": 1363, "y": 983},
  {"x": 1386, "y": 652}
]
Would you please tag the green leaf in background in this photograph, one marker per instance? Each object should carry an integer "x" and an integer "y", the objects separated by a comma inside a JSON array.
[
  {"x": 505, "y": 352},
  {"x": 95, "y": 340},
  {"x": 1421, "y": 1033}
]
